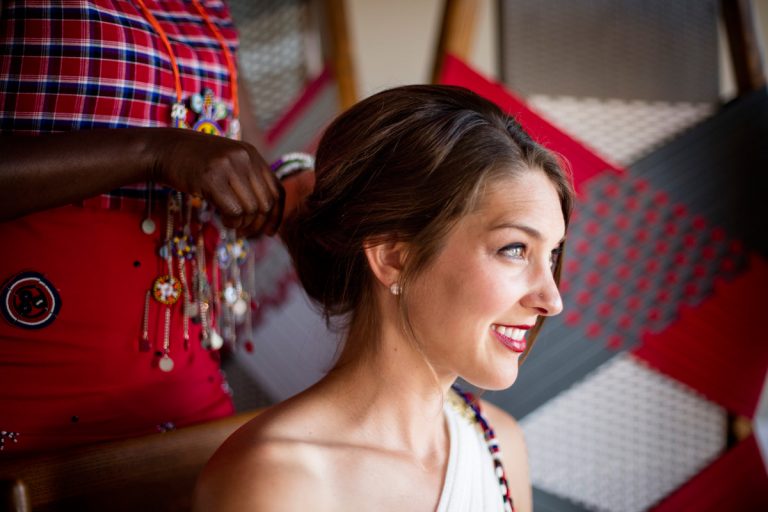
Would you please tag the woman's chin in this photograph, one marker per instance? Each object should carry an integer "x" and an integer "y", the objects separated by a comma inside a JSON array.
[{"x": 496, "y": 382}]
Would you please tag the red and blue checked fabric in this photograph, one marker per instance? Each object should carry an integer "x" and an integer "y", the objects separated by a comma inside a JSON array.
[{"x": 79, "y": 65}]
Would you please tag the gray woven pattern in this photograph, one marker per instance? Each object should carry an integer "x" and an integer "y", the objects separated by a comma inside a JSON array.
[
  {"x": 631, "y": 49},
  {"x": 623, "y": 438},
  {"x": 622, "y": 131},
  {"x": 272, "y": 56}
]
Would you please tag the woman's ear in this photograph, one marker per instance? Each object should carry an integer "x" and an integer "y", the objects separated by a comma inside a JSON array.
[{"x": 386, "y": 260}]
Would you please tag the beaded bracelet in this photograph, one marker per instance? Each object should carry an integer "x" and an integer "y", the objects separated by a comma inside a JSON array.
[{"x": 292, "y": 163}]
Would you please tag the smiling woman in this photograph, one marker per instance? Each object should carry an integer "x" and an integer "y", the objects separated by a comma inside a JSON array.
[{"x": 434, "y": 233}]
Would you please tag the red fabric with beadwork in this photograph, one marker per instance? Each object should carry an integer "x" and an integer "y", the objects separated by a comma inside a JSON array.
[
  {"x": 83, "y": 378},
  {"x": 79, "y": 376}
]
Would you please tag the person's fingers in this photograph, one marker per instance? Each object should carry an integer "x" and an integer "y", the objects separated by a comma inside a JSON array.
[
  {"x": 278, "y": 211},
  {"x": 255, "y": 227},
  {"x": 272, "y": 181},
  {"x": 246, "y": 196},
  {"x": 276, "y": 217},
  {"x": 225, "y": 200},
  {"x": 239, "y": 172},
  {"x": 263, "y": 191},
  {"x": 267, "y": 223},
  {"x": 247, "y": 220}
]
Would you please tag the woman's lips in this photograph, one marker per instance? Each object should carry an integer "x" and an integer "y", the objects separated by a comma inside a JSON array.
[{"x": 512, "y": 337}]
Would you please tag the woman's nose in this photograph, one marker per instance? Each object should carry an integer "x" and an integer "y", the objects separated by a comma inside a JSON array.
[{"x": 544, "y": 296}]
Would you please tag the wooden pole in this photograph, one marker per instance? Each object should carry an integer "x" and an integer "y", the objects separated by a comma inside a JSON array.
[
  {"x": 457, "y": 32},
  {"x": 341, "y": 55},
  {"x": 742, "y": 41}
]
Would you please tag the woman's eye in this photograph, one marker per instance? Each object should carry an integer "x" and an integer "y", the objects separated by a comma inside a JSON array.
[
  {"x": 514, "y": 251},
  {"x": 554, "y": 258}
]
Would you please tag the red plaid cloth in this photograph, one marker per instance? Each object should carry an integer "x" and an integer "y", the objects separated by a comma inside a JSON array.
[{"x": 78, "y": 65}]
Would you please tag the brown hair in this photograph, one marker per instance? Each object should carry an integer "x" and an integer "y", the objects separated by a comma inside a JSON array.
[{"x": 405, "y": 164}]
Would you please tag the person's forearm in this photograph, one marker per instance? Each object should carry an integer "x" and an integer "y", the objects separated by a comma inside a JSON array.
[
  {"x": 37, "y": 173},
  {"x": 46, "y": 171}
]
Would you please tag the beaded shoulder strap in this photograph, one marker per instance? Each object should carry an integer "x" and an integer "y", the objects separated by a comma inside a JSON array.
[{"x": 493, "y": 446}]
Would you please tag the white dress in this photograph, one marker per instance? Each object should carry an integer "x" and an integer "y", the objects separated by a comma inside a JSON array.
[{"x": 471, "y": 484}]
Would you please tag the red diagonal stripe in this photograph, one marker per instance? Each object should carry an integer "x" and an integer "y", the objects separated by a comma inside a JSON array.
[
  {"x": 720, "y": 347},
  {"x": 584, "y": 162},
  {"x": 735, "y": 481}
]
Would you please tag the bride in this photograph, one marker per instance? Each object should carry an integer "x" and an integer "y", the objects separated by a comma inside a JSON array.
[{"x": 433, "y": 238}]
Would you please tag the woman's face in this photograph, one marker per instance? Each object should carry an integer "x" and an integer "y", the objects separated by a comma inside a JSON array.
[{"x": 471, "y": 309}]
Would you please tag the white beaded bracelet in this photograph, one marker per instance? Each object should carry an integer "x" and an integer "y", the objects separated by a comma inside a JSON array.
[{"x": 292, "y": 163}]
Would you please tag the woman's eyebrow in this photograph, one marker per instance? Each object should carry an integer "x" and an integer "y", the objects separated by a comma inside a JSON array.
[{"x": 532, "y": 232}]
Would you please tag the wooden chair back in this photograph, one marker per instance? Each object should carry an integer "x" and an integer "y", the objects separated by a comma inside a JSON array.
[{"x": 156, "y": 472}]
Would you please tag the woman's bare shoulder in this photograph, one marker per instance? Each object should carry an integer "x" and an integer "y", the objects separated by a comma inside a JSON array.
[
  {"x": 513, "y": 453},
  {"x": 264, "y": 465},
  {"x": 503, "y": 424}
]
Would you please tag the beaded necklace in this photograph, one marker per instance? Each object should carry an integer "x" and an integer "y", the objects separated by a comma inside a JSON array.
[
  {"x": 186, "y": 244},
  {"x": 493, "y": 445},
  {"x": 213, "y": 110},
  {"x": 225, "y": 295}
]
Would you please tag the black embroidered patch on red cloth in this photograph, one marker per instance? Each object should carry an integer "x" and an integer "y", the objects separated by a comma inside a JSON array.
[{"x": 29, "y": 300}]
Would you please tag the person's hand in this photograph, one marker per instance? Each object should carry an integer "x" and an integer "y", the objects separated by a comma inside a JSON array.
[
  {"x": 230, "y": 174},
  {"x": 297, "y": 187}
]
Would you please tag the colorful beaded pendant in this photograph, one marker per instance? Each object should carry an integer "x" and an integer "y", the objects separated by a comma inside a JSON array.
[
  {"x": 166, "y": 290},
  {"x": 210, "y": 111}
]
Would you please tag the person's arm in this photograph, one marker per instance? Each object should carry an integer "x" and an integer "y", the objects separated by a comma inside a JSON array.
[
  {"x": 297, "y": 186},
  {"x": 46, "y": 171},
  {"x": 514, "y": 455}
]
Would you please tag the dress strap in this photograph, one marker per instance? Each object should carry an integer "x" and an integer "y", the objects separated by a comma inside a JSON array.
[{"x": 493, "y": 445}]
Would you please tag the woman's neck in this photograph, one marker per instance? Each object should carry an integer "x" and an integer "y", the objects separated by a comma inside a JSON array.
[{"x": 393, "y": 396}]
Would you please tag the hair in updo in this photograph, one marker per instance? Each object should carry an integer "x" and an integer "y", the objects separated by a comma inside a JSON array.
[{"x": 405, "y": 165}]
